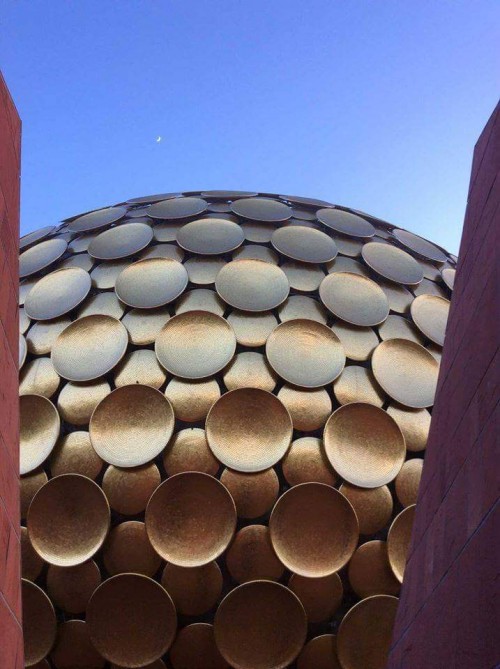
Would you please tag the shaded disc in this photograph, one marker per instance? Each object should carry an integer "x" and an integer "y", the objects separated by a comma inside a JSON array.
[
  {"x": 105, "y": 274},
  {"x": 398, "y": 541},
  {"x": 414, "y": 424},
  {"x": 39, "y": 623},
  {"x": 57, "y": 293},
  {"x": 357, "y": 384},
  {"x": 373, "y": 506},
  {"x": 253, "y": 494},
  {"x": 256, "y": 252},
  {"x": 370, "y": 573},
  {"x": 80, "y": 244},
  {"x": 180, "y": 207},
  {"x": 24, "y": 289},
  {"x": 252, "y": 330},
  {"x": 70, "y": 588},
  {"x": 397, "y": 327},
  {"x": 303, "y": 214},
  {"x": 169, "y": 251},
  {"x": 249, "y": 429},
  {"x": 127, "y": 550},
  {"x": 258, "y": 232},
  {"x": 120, "y": 242},
  {"x": 306, "y": 462},
  {"x": 251, "y": 556},
  {"x": 343, "y": 264},
  {"x": 145, "y": 325},
  {"x": 252, "y": 285},
  {"x": 77, "y": 401},
  {"x": 228, "y": 194},
  {"x": 23, "y": 351},
  {"x": 430, "y": 288},
  {"x": 249, "y": 370},
  {"x": 430, "y": 314},
  {"x": 39, "y": 431},
  {"x": 304, "y": 244},
  {"x": 132, "y": 425},
  {"x": 349, "y": 247},
  {"x": 35, "y": 236},
  {"x": 408, "y": 481},
  {"x": 42, "y": 335},
  {"x": 314, "y": 529},
  {"x": 448, "y": 275},
  {"x": 177, "y": 510},
  {"x": 195, "y": 646},
  {"x": 31, "y": 562},
  {"x": 30, "y": 484},
  {"x": 203, "y": 270},
  {"x": 151, "y": 283},
  {"x": 73, "y": 648},
  {"x": 192, "y": 400},
  {"x": 128, "y": 490},
  {"x": 243, "y": 630},
  {"x": 345, "y": 223},
  {"x": 132, "y": 620},
  {"x": 39, "y": 378},
  {"x": 301, "y": 306},
  {"x": 41, "y": 256},
  {"x": 74, "y": 454},
  {"x": 398, "y": 296},
  {"x": 210, "y": 236},
  {"x": 308, "y": 409},
  {"x": 201, "y": 299},
  {"x": 354, "y": 298},
  {"x": 320, "y": 597},
  {"x": 392, "y": 263},
  {"x": 261, "y": 209},
  {"x": 419, "y": 245},
  {"x": 188, "y": 451},
  {"x": 147, "y": 199},
  {"x": 81, "y": 261},
  {"x": 96, "y": 220},
  {"x": 104, "y": 304},
  {"x": 194, "y": 590},
  {"x": 24, "y": 320},
  {"x": 166, "y": 232},
  {"x": 142, "y": 367},
  {"x": 319, "y": 653}
]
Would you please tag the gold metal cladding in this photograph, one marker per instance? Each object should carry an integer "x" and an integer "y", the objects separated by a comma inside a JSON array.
[
  {"x": 39, "y": 623},
  {"x": 430, "y": 270},
  {"x": 131, "y": 619},
  {"x": 319, "y": 653},
  {"x": 132, "y": 425},
  {"x": 23, "y": 351},
  {"x": 251, "y": 556},
  {"x": 31, "y": 562},
  {"x": 57, "y": 293},
  {"x": 420, "y": 246},
  {"x": 392, "y": 263},
  {"x": 364, "y": 636},
  {"x": 195, "y": 345},
  {"x": 127, "y": 550},
  {"x": 68, "y": 520},
  {"x": 305, "y": 353},
  {"x": 42, "y": 335},
  {"x": 430, "y": 288},
  {"x": 105, "y": 274},
  {"x": 252, "y": 285},
  {"x": 308, "y": 409},
  {"x": 41, "y": 256},
  {"x": 306, "y": 462},
  {"x": 358, "y": 343},
  {"x": 249, "y": 370},
  {"x": 406, "y": 371},
  {"x": 39, "y": 378},
  {"x": 192, "y": 400},
  {"x": 397, "y": 327},
  {"x": 399, "y": 297},
  {"x": 301, "y": 306},
  {"x": 145, "y": 325},
  {"x": 73, "y": 647},
  {"x": 364, "y": 444},
  {"x": 81, "y": 261},
  {"x": 398, "y": 541},
  {"x": 253, "y": 494},
  {"x": 357, "y": 384},
  {"x": 448, "y": 275},
  {"x": 120, "y": 242},
  {"x": 140, "y": 366},
  {"x": 320, "y": 597},
  {"x": 345, "y": 223},
  {"x": 166, "y": 232},
  {"x": 194, "y": 590},
  {"x": 188, "y": 451},
  {"x": 96, "y": 220},
  {"x": 304, "y": 244},
  {"x": 414, "y": 424},
  {"x": 151, "y": 283},
  {"x": 163, "y": 251},
  {"x": 349, "y": 247},
  {"x": 80, "y": 244},
  {"x": 259, "y": 233},
  {"x": 408, "y": 481},
  {"x": 106, "y": 304},
  {"x": 89, "y": 348},
  {"x": 74, "y": 454},
  {"x": 256, "y": 252},
  {"x": 243, "y": 632},
  {"x": 210, "y": 236},
  {"x": 203, "y": 270},
  {"x": 39, "y": 430},
  {"x": 252, "y": 330},
  {"x": 430, "y": 314},
  {"x": 128, "y": 490},
  {"x": 195, "y": 646},
  {"x": 202, "y": 299},
  {"x": 261, "y": 209},
  {"x": 70, "y": 588},
  {"x": 373, "y": 506},
  {"x": 314, "y": 529},
  {"x": 182, "y": 207},
  {"x": 35, "y": 236},
  {"x": 354, "y": 298},
  {"x": 249, "y": 429},
  {"x": 190, "y": 519},
  {"x": 370, "y": 573},
  {"x": 77, "y": 401},
  {"x": 30, "y": 484}
]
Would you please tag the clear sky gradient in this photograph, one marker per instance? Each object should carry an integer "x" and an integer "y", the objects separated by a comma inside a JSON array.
[{"x": 374, "y": 104}]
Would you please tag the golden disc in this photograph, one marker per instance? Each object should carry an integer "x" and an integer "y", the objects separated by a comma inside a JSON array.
[
  {"x": 398, "y": 541},
  {"x": 24, "y": 320},
  {"x": 408, "y": 481},
  {"x": 414, "y": 424},
  {"x": 354, "y": 298},
  {"x": 77, "y": 401},
  {"x": 308, "y": 409},
  {"x": 370, "y": 573},
  {"x": 73, "y": 648},
  {"x": 373, "y": 506},
  {"x": 210, "y": 236},
  {"x": 145, "y": 325},
  {"x": 252, "y": 285},
  {"x": 188, "y": 451},
  {"x": 163, "y": 251},
  {"x": 120, "y": 242},
  {"x": 319, "y": 653},
  {"x": 228, "y": 194},
  {"x": 195, "y": 646},
  {"x": 406, "y": 371},
  {"x": 397, "y": 327},
  {"x": 36, "y": 236},
  {"x": 419, "y": 245},
  {"x": 314, "y": 529},
  {"x": 259, "y": 625},
  {"x": 106, "y": 304},
  {"x": 253, "y": 494},
  {"x": 132, "y": 425},
  {"x": 151, "y": 283},
  {"x": 30, "y": 484},
  {"x": 203, "y": 271},
  {"x": 39, "y": 430},
  {"x": 219, "y": 207},
  {"x": 306, "y": 462},
  {"x": 201, "y": 299},
  {"x": 80, "y": 244},
  {"x": 430, "y": 271},
  {"x": 364, "y": 635},
  {"x": 147, "y": 199},
  {"x": 142, "y": 367},
  {"x": 57, "y": 293},
  {"x": 249, "y": 429},
  {"x": 96, "y": 220},
  {"x": 31, "y": 562},
  {"x": 74, "y": 454},
  {"x": 345, "y": 222},
  {"x": 23, "y": 351},
  {"x": 166, "y": 232},
  {"x": 70, "y": 588},
  {"x": 42, "y": 335},
  {"x": 430, "y": 314},
  {"x": 257, "y": 232},
  {"x": 261, "y": 209},
  {"x": 192, "y": 400},
  {"x": 25, "y": 287},
  {"x": 179, "y": 207},
  {"x": 128, "y": 490},
  {"x": 68, "y": 520},
  {"x": 82, "y": 261},
  {"x": 39, "y": 378},
  {"x": 343, "y": 264},
  {"x": 358, "y": 343},
  {"x": 300, "y": 306},
  {"x": 448, "y": 275},
  {"x": 357, "y": 384},
  {"x": 256, "y": 252},
  {"x": 41, "y": 256},
  {"x": 304, "y": 244},
  {"x": 364, "y": 444},
  {"x": 252, "y": 330},
  {"x": 127, "y": 550},
  {"x": 305, "y": 353},
  {"x": 132, "y": 620},
  {"x": 320, "y": 597},
  {"x": 195, "y": 345},
  {"x": 194, "y": 590},
  {"x": 348, "y": 247},
  {"x": 399, "y": 297},
  {"x": 392, "y": 263},
  {"x": 303, "y": 214},
  {"x": 430, "y": 288},
  {"x": 190, "y": 519},
  {"x": 251, "y": 556},
  {"x": 105, "y": 274},
  {"x": 249, "y": 370},
  {"x": 39, "y": 623}
]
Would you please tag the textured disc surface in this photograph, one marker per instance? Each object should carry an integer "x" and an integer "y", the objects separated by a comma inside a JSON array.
[
  {"x": 420, "y": 246},
  {"x": 261, "y": 209},
  {"x": 177, "y": 208},
  {"x": 251, "y": 556},
  {"x": 35, "y": 236},
  {"x": 151, "y": 283},
  {"x": 57, "y": 293},
  {"x": 129, "y": 489},
  {"x": 345, "y": 223},
  {"x": 70, "y": 588},
  {"x": 254, "y": 494},
  {"x": 74, "y": 454},
  {"x": 370, "y": 572},
  {"x": 398, "y": 541},
  {"x": 430, "y": 314},
  {"x": 373, "y": 506},
  {"x": 304, "y": 244},
  {"x": 252, "y": 285},
  {"x": 392, "y": 263},
  {"x": 97, "y": 219},
  {"x": 120, "y": 242},
  {"x": 354, "y": 298},
  {"x": 39, "y": 623},
  {"x": 194, "y": 590},
  {"x": 210, "y": 236},
  {"x": 40, "y": 256},
  {"x": 195, "y": 646},
  {"x": 320, "y": 597},
  {"x": 39, "y": 430}
]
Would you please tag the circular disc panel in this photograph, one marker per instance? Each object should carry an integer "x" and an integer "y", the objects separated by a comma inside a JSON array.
[
  {"x": 420, "y": 246},
  {"x": 200, "y": 299},
  {"x": 74, "y": 454},
  {"x": 120, "y": 242},
  {"x": 345, "y": 223},
  {"x": 70, "y": 588},
  {"x": 354, "y": 298},
  {"x": 39, "y": 431},
  {"x": 30, "y": 484},
  {"x": 151, "y": 283},
  {"x": 145, "y": 325},
  {"x": 319, "y": 653},
  {"x": 96, "y": 220},
  {"x": 77, "y": 401},
  {"x": 57, "y": 293},
  {"x": 188, "y": 451},
  {"x": 301, "y": 306},
  {"x": 398, "y": 541},
  {"x": 105, "y": 274},
  {"x": 392, "y": 263},
  {"x": 252, "y": 285},
  {"x": 373, "y": 506},
  {"x": 36, "y": 236},
  {"x": 256, "y": 252},
  {"x": 203, "y": 270},
  {"x": 398, "y": 327},
  {"x": 210, "y": 236},
  {"x": 127, "y": 550},
  {"x": 39, "y": 623},
  {"x": 41, "y": 256},
  {"x": 140, "y": 366},
  {"x": 195, "y": 646},
  {"x": 408, "y": 481},
  {"x": 448, "y": 275},
  {"x": 129, "y": 489},
  {"x": 192, "y": 400},
  {"x": 306, "y": 462},
  {"x": 414, "y": 424},
  {"x": 357, "y": 384},
  {"x": 253, "y": 494},
  {"x": 180, "y": 207},
  {"x": 304, "y": 244},
  {"x": 320, "y": 597},
  {"x": 308, "y": 409},
  {"x": 430, "y": 314},
  {"x": 73, "y": 648},
  {"x": 42, "y": 335},
  {"x": 370, "y": 573},
  {"x": 262, "y": 209},
  {"x": 251, "y": 556},
  {"x": 195, "y": 590},
  {"x": 252, "y": 330}
]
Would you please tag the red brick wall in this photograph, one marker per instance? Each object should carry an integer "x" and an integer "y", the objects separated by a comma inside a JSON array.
[
  {"x": 448, "y": 617},
  {"x": 11, "y": 647}
]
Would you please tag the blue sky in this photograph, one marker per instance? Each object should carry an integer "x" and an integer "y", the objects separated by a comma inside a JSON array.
[{"x": 375, "y": 104}]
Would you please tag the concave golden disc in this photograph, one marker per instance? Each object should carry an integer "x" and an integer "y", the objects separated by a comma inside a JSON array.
[
  {"x": 203, "y": 270},
  {"x": 74, "y": 454},
  {"x": 320, "y": 597},
  {"x": 364, "y": 444},
  {"x": 252, "y": 285},
  {"x": 98, "y": 219},
  {"x": 195, "y": 345},
  {"x": 140, "y": 366},
  {"x": 430, "y": 314},
  {"x": 194, "y": 590},
  {"x": 36, "y": 236},
  {"x": 319, "y": 653},
  {"x": 129, "y": 490},
  {"x": 68, "y": 520},
  {"x": 408, "y": 481},
  {"x": 42, "y": 335},
  {"x": 145, "y": 325},
  {"x": 41, "y": 256},
  {"x": 120, "y": 242},
  {"x": 373, "y": 506},
  {"x": 105, "y": 274},
  {"x": 252, "y": 330},
  {"x": 30, "y": 484},
  {"x": 39, "y": 378},
  {"x": 259, "y": 625},
  {"x": 127, "y": 550},
  {"x": 195, "y": 646},
  {"x": 151, "y": 283},
  {"x": 251, "y": 556},
  {"x": 39, "y": 430},
  {"x": 163, "y": 251},
  {"x": 397, "y": 327},
  {"x": 306, "y": 462},
  {"x": 398, "y": 541},
  {"x": 345, "y": 223},
  {"x": 210, "y": 236},
  {"x": 77, "y": 401},
  {"x": 364, "y": 635},
  {"x": 308, "y": 409},
  {"x": 253, "y": 494},
  {"x": 132, "y": 620},
  {"x": 448, "y": 275},
  {"x": 188, "y": 451},
  {"x": 23, "y": 350},
  {"x": 305, "y": 353},
  {"x": 419, "y": 245},
  {"x": 181, "y": 207},
  {"x": 39, "y": 623},
  {"x": 343, "y": 264},
  {"x": 31, "y": 562},
  {"x": 249, "y": 370},
  {"x": 201, "y": 299},
  {"x": 57, "y": 293},
  {"x": 370, "y": 573},
  {"x": 261, "y": 209},
  {"x": 354, "y": 298},
  {"x": 257, "y": 232},
  {"x": 70, "y": 588},
  {"x": 89, "y": 347},
  {"x": 166, "y": 232},
  {"x": 406, "y": 371},
  {"x": 256, "y": 252},
  {"x": 314, "y": 529},
  {"x": 192, "y": 400},
  {"x": 357, "y": 384},
  {"x": 304, "y": 244},
  {"x": 106, "y": 304},
  {"x": 190, "y": 519},
  {"x": 399, "y": 297},
  {"x": 414, "y": 424},
  {"x": 132, "y": 425},
  {"x": 73, "y": 648},
  {"x": 301, "y": 306},
  {"x": 430, "y": 288},
  {"x": 392, "y": 263},
  {"x": 249, "y": 429}
]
